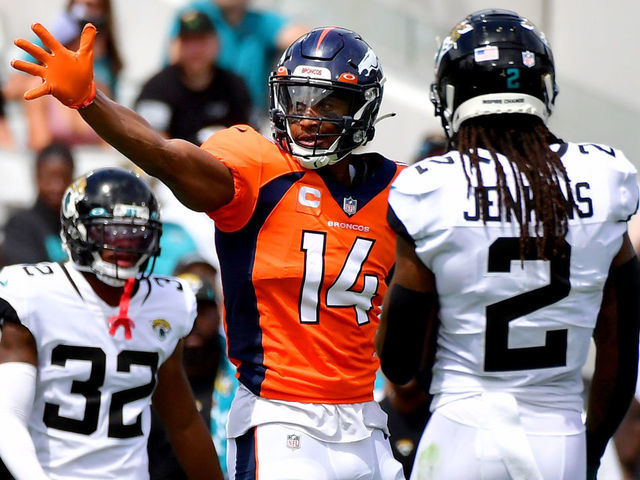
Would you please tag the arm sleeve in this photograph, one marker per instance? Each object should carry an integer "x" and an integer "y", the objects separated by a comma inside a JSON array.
[
  {"x": 18, "y": 385},
  {"x": 239, "y": 148},
  {"x": 624, "y": 194},
  {"x": 405, "y": 336},
  {"x": 614, "y": 379}
]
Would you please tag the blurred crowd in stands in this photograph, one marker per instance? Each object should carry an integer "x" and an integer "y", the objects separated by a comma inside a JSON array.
[{"x": 219, "y": 56}]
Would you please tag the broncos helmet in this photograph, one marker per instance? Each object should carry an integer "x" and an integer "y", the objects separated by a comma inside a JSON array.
[
  {"x": 493, "y": 62},
  {"x": 326, "y": 62},
  {"x": 110, "y": 209}
]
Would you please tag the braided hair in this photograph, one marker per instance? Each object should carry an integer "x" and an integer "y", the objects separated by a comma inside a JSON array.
[{"x": 538, "y": 171}]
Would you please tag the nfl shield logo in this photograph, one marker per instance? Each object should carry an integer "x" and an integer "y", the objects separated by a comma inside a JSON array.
[
  {"x": 350, "y": 206},
  {"x": 529, "y": 59},
  {"x": 293, "y": 441}
]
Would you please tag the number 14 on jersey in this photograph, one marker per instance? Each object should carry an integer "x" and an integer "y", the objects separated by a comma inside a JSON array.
[{"x": 340, "y": 294}]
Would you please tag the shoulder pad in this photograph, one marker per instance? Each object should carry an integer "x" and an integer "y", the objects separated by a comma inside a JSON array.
[{"x": 426, "y": 175}]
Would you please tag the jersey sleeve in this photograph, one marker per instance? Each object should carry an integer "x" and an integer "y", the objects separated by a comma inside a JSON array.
[
  {"x": 416, "y": 199},
  {"x": 240, "y": 150},
  {"x": 190, "y": 306},
  {"x": 624, "y": 188},
  {"x": 14, "y": 295},
  {"x": 7, "y": 312},
  {"x": 412, "y": 198}
]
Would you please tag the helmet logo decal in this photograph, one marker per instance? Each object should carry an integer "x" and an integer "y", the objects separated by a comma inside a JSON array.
[
  {"x": 322, "y": 36},
  {"x": 528, "y": 59},
  {"x": 135, "y": 211},
  {"x": 447, "y": 44},
  {"x": 486, "y": 54},
  {"x": 312, "y": 71},
  {"x": 368, "y": 63},
  {"x": 98, "y": 212},
  {"x": 348, "y": 78},
  {"x": 460, "y": 29},
  {"x": 73, "y": 195}
]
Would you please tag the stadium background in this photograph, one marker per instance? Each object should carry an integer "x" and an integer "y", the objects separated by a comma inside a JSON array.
[{"x": 594, "y": 44}]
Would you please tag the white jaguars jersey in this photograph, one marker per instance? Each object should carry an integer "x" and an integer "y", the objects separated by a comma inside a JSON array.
[
  {"x": 519, "y": 327},
  {"x": 91, "y": 417}
]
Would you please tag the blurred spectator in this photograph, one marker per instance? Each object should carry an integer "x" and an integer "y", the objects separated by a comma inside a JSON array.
[
  {"x": 194, "y": 97},
  {"x": 432, "y": 145},
  {"x": 47, "y": 120},
  {"x": 250, "y": 41},
  {"x": 6, "y": 139},
  {"x": 407, "y": 407},
  {"x": 226, "y": 383},
  {"x": 201, "y": 357},
  {"x": 33, "y": 235},
  {"x": 185, "y": 233}
]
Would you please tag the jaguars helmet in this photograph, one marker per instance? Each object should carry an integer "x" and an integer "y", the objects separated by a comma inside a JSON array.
[
  {"x": 329, "y": 61},
  {"x": 493, "y": 62},
  {"x": 110, "y": 209}
]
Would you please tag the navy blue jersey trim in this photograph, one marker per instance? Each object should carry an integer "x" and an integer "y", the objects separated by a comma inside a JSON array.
[
  {"x": 246, "y": 456},
  {"x": 73, "y": 284},
  {"x": 236, "y": 252},
  {"x": 146, "y": 297},
  {"x": 373, "y": 175},
  {"x": 397, "y": 226},
  {"x": 7, "y": 313}
]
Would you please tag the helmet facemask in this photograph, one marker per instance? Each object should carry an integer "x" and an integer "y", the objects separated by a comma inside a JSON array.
[
  {"x": 111, "y": 225},
  {"x": 119, "y": 240},
  {"x": 328, "y": 111}
]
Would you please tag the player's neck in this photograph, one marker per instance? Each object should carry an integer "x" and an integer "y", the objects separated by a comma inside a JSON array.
[
  {"x": 110, "y": 295},
  {"x": 340, "y": 171}
]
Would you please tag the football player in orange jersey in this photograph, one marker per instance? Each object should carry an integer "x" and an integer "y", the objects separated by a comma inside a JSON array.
[{"x": 304, "y": 249}]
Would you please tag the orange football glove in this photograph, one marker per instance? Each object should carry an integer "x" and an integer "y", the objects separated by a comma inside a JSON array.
[{"x": 66, "y": 75}]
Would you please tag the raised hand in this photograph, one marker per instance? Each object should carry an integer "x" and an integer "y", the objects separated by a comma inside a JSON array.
[{"x": 67, "y": 75}]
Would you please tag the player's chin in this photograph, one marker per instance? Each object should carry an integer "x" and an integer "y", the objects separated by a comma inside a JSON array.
[
  {"x": 122, "y": 260},
  {"x": 322, "y": 143}
]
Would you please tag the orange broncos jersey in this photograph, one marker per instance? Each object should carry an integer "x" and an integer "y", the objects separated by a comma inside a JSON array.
[{"x": 304, "y": 262}]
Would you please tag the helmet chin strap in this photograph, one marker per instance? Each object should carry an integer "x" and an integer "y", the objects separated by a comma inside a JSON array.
[
  {"x": 110, "y": 273},
  {"x": 113, "y": 282},
  {"x": 122, "y": 319}
]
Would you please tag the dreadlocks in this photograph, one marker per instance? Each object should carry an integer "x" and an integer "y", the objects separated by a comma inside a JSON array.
[{"x": 537, "y": 170}]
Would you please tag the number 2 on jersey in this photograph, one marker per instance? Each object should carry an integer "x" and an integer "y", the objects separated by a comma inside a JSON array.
[
  {"x": 341, "y": 293},
  {"x": 498, "y": 357}
]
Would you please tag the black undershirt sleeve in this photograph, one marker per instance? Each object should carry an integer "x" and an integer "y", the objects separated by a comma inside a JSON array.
[
  {"x": 407, "y": 316},
  {"x": 626, "y": 282}
]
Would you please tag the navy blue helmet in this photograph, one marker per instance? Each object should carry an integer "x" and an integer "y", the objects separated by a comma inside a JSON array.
[
  {"x": 493, "y": 62},
  {"x": 326, "y": 62}
]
